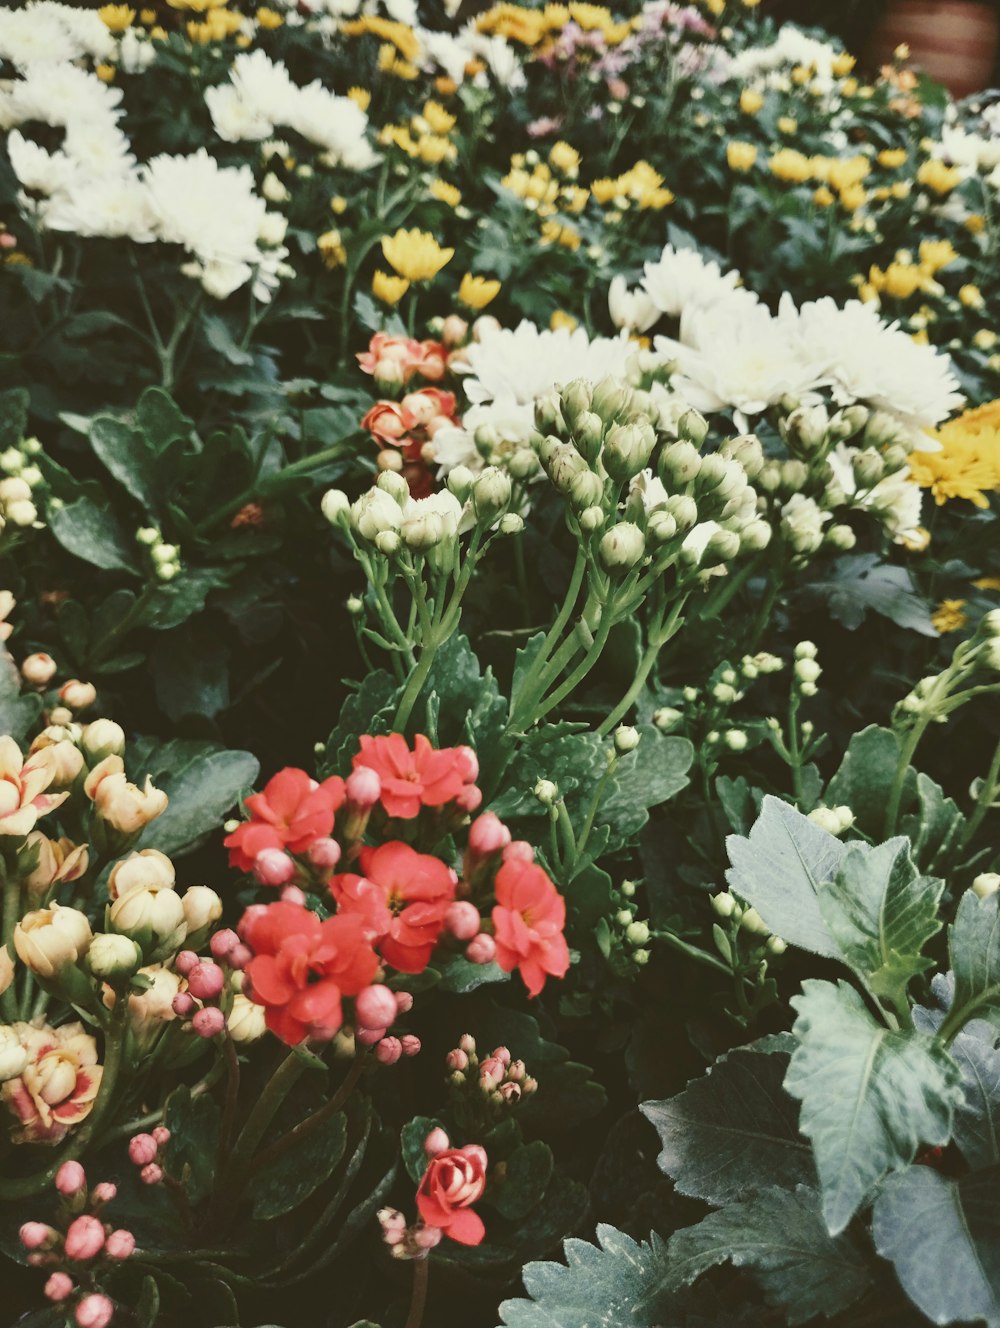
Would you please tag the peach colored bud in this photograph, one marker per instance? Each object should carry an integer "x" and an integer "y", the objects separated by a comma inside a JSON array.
[
  {"x": 103, "y": 737},
  {"x": 59, "y": 1286},
  {"x": 488, "y": 834},
  {"x": 481, "y": 949},
  {"x": 272, "y": 866},
  {"x": 202, "y": 907},
  {"x": 510, "y": 1092},
  {"x": 462, "y": 920},
  {"x": 467, "y": 1043},
  {"x": 457, "y": 1060},
  {"x": 148, "y": 868},
  {"x": 66, "y": 758},
  {"x": 404, "y": 1002},
  {"x": 206, "y": 980},
  {"x": 119, "y": 1244},
  {"x": 152, "y": 918},
  {"x": 364, "y": 787},
  {"x": 60, "y": 715},
  {"x": 388, "y": 1051},
  {"x": 70, "y": 1179},
  {"x": 38, "y": 670},
  {"x": 142, "y": 1148},
  {"x": 516, "y": 1071},
  {"x": 411, "y": 1044},
  {"x": 103, "y": 1192},
  {"x": 78, "y": 695},
  {"x": 491, "y": 1070},
  {"x": 324, "y": 854},
  {"x": 223, "y": 942},
  {"x": 151, "y": 1174},
  {"x": 48, "y": 940},
  {"x": 6, "y": 969},
  {"x": 436, "y": 1142},
  {"x": 123, "y": 805},
  {"x": 95, "y": 1311},
  {"x": 38, "y": 1236},
  {"x": 209, "y": 1022},
  {"x": 483, "y": 326},
  {"x": 389, "y": 459},
  {"x": 85, "y": 1238},
  {"x": 454, "y": 330}
]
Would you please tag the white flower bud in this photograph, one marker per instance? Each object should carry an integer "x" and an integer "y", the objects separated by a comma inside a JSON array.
[
  {"x": 986, "y": 883},
  {"x": 491, "y": 494},
  {"x": 586, "y": 490},
  {"x": 807, "y": 670},
  {"x": 511, "y": 524},
  {"x": 667, "y": 718},
  {"x": 591, "y": 519},
  {"x": 723, "y": 905},
  {"x": 392, "y": 483},
  {"x": 626, "y": 739},
  {"x": 50, "y": 939},
  {"x": 245, "y": 1020},
  {"x": 683, "y": 508},
  {"x": 756, "y": 536},
  {"x": 776, "y": 945},
  {"x": 202, "y": 906},
  {"x": 576, "y": 400},
  {"x": 38, "y": 669},
  {"x": 611, "y": 398},
  {"x": 101, "y": 738},
  {"x": 840, "y": 537},
  {"x": 693, "y": 425},
  {"x": 679, "y": 464},
  {"x": 735, "y": 740},
  {"x": 637, "y": 933},
  {"x": 627, "y": 449},
  {"x": 752, "y": 922},
  {"x": 546, "y": 792},
  {"x": 661, "y": 528},
  {"x": 460, "y": 480},
  {"x": 806, "y": 650},
  {"x": 374, "y": 512},
  {"x": 387, "y": 543},
  {"x": 112, "y": 956},
  {"x": 622, "y": 547}
]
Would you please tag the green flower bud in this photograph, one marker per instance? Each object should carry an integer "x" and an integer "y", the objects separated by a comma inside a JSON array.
[
  {"x": 576, "y": 400},
  {"x": 548, "y": 413},
  {"x": 354, "y": 606},
  {"x": 591, "y": 519},
  {"x": 546, "y": 792},
  {"x": 661, "y": 527},
  {"x": 387, "y": 542},
  {"x": 637, "y": 933},
  {"x": 840, "y": 537},
  {"x": 626, "y": 739},
  {"x": 588, "y": 434},
  {"x": 523, "y": 464},
  {"x": 805, "y": 429},
  {"x": 683, "y": 509},
  {"x": 755, "y": 536},
  {"x": 747, "y": 451},
  {"x": 335, "y": 507},
  {"x": 769, "y": 478},
  {"x": 487, "y": 439},
  {"x": 679, "y": 464},
  {"x": 112, "y": 956},
  {"x": 612, "y": 398},
  {"x": 627, "y": 449},
  {"x": 422, "y": 532},
  {"x": 622, "y": 547},
  {"x": 776, "y": 945},
  {"x": 794, "y": 475},
  {"x": 564, "y": 467},
  {"x": 868, "y": 469},
  {"x": 392, "y": 483},
  {"x": 587, "y": 490},
  {"x": 491, "y": 494},
  {"x": 548, "y": 447},
  {"x": 693, "y": 426},
  {"x": 641, "y": 957},
  {"x": 849, "y": 421},
  {"x": 511, "y": 524},
  {"x": 754, "y": 923},
  {"x": 460, "y": 480},
  {"x": 723, "y": 905}
]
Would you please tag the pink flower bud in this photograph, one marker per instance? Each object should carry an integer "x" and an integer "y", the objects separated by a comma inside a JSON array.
[
  {"x": 492, "y": 1068},
  {"x": 467, "y": 763},
  {"x": 374, "y": 1007},
  {"x": 223, "y": 942},
  {"x": 467, "y": 1043},
  {"x": 182, "y": 1004},
  {"x": 457, "y": 1060},
  {"x": 59, "y": 1286},
  {"x": 293, "y": 894},
  {"x": 239, "y": 956},
  {"x": 388, "y": 1051},
  {"x": 253, "y": 914},
  {"x": 142, "y": 1148},
  {"x": 364, "y": 788},
  {"x": 411, "y": 1044},
  {"x": 436, "y": 1142},
  {"x": 120, "y": 1244},
  {"x": 481, "y": 949},
  {"x": 103, "y": 1192},
  {"x": 470, "y": 798},
  {"x": 510, "y": 1092},
  {"x": 94, "y": 1311},
  {"x": 454, "y": 330},
  {"x": 502, "y": 1055},
  {"x": 391, "y": 1219},
  {"x": 428, "y": 1237},
  {"x": 38, "y": 1236},
  {"x": 206, "y": 980},
  {"x": 516, "y": 1071},
  {"x": 488, "y": 834},
  {"x": 151, "y": 1174},
  {"x": 368, "y": 1037},
  {"x": 462, "y": 920},
  {"x": 393, "y": 1237},
  {"x": 519, "y": 850},
  {"x": 70, "y": 1179},
  {"x": 324, "y": 854},
  {"x": 272, "y": 866},
  {"x": 162, "y": 1135},
  {"x": 85, "y": 1237},
  {"x": 404, "y": 1002},
  {"x": 185, "y": 962},
  {"x": 209, "y": 1021}
]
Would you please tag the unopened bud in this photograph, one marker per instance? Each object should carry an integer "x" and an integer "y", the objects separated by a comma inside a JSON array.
[{"x": 626, "y": 739}]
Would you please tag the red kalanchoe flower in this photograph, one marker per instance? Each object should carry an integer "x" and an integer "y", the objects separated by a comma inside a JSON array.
[
  {"x": 528, "y": 921},
  {"x": 302, "y": 967},
  {"x": 424, "y": 777},
  {"x": 402, "y": 898},
  {"x": 454, "y": 1180},
  {"x": 292, "y": 813},
  {"x": 389, "y": 422}
]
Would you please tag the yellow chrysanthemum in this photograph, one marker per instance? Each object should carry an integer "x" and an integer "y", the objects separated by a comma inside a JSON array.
[
  {"x": 843, "y": 64},
  {"x": 791, "y": 165},
  {"x": 361, "y": 97},
  {"x": 390, "y": 62},
  {"x": 401, "y": 35},
  {"x": 105, "y": 73},
  {"x": 389, "y": 289},
  {"x": 565, "y": 158},
  {"x": 196, "y": 6},
  {"x": 823, "y": 197},
  {"x": 844, "y": 173},
  {"x": 561, "y": 319},
  {"x": 477, "y": 292},
  {"x": 440, "y": 120},
  {"x": 892, "y": 158},
  {"x": 741, "y": 156},
  {"x": 937, "y": 176},
  {"x": 987, "y": 583},
  {"x": 948, "y": 616},
  {"x": 853, "y": 197},
  {"x": 971, "y": 296},
  {"x": 750, "y": 101},
  {"x": 984, "y": 339},
  {"x": 331, "y": 249},
  {"x": 968, "y": 464},
  {"x": 338, "y": 205},
  {"x": 147, "y": 16},
  {"x": 445, "y": 192},
  {"x": 415, "y": 255},
  {"x": 269, "y": 18},
  {"x": 116, "y": 18},
  {"x": 787, "y": 124},
  {"x": 936, "y": 254}
]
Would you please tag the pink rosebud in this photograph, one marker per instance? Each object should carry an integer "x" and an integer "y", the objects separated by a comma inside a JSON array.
[
  {"x": 411, "y": 1044},
  {"x": 239, "y": 956},
  {"x": 324, "y": 854},
  {"x": 85, "y": 1237},
  {"x": 388, "y": 1051},
  {"x": 364, "y": 787},
  {"x": 375, "y": 1007},
  {"x": 142, "y": 1148},
  {"x": 182, "y": 1004},
  {"x": 185, "y": 962},
  {"x": 293, "y": 894},
  {"x": 404, "y": 1002},
  {"x": 502, "y": 1055},
  {"x": 462, "y": 920},
  {"x": 428, "y": 1237},
  {"x": 481, "y": 949},
  {"x": 510, "y": 1092},
  {"x": 59, "y": 1286},
  {"x": 38, "y": 1236},
  {"x": 70, "y": 1179},
  {"x": 151, "y": 1174},
  {"x": 103, "y": 1192},
  {"x": 209, "y": 1021},
  {"x": 488, "y": 834},
  {"x": 206, "y": 980},
  {"x": 223, "y": 942},
  {"x": 519, "y": 850},
  {"x": 457, "y": 1060},
  {"x": 368, "y": 1037},
  {"x": 120, "y": 1244},
  {"x": 252, "y": 915},
  {"x": 436, "y": 1142},
  {"x": 272, "y": 866},
  {"x": 162, "y": 1135},
  {"x": 470, "y": 798},
  {"x": 94, "y": 1311}
]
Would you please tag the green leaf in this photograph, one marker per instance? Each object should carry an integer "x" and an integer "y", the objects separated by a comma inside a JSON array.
[
  {"x": 861, "y": 582},
  {"x": 780, "y": 868},
  {"x": 871, "y": 1097},
  {"x": 943, "y": 1236},
  {"x": 93, "y": 533},
  {"x": 17, "y": 712},
  {"x": 529, "y": 1170},
  {"x": 882, "y": 913},
  {"x": 290, "y": 1179},
  {"x": 190, "y": 671},
  {"x": 865, "y": 777},
  {"x": 572, "y": 760},
  {"x": 412, "y": 1138},
  {"x": 148, "y": 1307},
  {"x": 974, "y": 949},
  {"x": 202, "y": 781},
  {"x": 127, "y": 456},
  {"x": 618, "y": 1283},
  {"x": 781, "y": 1236},
  {"x": 934, "y": 827},
  {"x": 191, "y": 1150},
  {"x": 459, "y": 974},
  {"x": 14, "y": 405},
  {"x": 368, "y": 710},
  {"x": 160, "y": 418},
  {"x": 977, "y": 1116},
  {"x": 733, "y": 1131},
  {"x": 472, "y": 709},
  {"x": 645, "y": 778}
]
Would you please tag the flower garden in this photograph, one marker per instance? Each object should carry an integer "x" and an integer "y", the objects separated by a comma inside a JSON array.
[{"x": 499, "y": 671}]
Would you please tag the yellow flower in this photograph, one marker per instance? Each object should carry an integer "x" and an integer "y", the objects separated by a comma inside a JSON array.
[
  {"x": 984, "y": 339},
  {"x": 822, "y": 197},
  {"x": 432, "y": 149},
  {"x": 843, "y": 173},
  {"x": 561, "y": 319},
  {"x": 716, "y": 7},
  {"x": 415, "y": 254},
  {"x": 401, "y": 35},
  {"x": 445, "y": 193},
  {"x": 750, "y": 101},
  {"x": 361, "y": 97},
  {"x": 936, "y": 254},
  {"x": 939, "y": 177},
  {"x": 440, "y": 120},
  {"x": 445, "y": 87},
  {"x": 892, "y": 158},
  {"x": 899, "y": 280},
  {"x": 116, "y": 18},
  {"x": 787, "y": 124},
  {"x": 105, "y": 73},
  {"x": 948, "y": 616},
  {"x": 741, "y": 156},
  {"x": 553, "y": 232},
  {"x": 901, "y": 189},
  {"x": 196, "y": 6},
  {"x": 148, "y": 16},
  {"x": 801, "y": 75},
  {"x": 565, "y": 158},
  {"x": 915, "y": 541},
  {"x": 331, "y": 249},
  {"x": 902, "y": 52},
  {"x": 389, "y": 289},
  {"x": 843, "y": 64},
  {"x": 477, "y": 292},
  {"x": 975, "y": 223},
  {"x": 987, "y": 583},
  {"x": 971, "y": 296},
  {"x": 921, "y": 337},
  {"x": 852, "y": 197},
  {"x": 269, "y": 18},
  {"x": 788, "y": 164},
  {"x": 849, "y": 87},
  {"x": 968, "y": 465},
  {"x": 390, "y": 63},
  {"x": 338, "y": 205}
]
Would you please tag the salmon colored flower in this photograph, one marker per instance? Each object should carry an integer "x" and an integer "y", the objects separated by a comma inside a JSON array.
[
  {"x": 402, "y": 898},
  {"x": 57, "y": 1087},
  {"x": 454, "y": 1180},
  {"x": 528, "y": 919},
  {"x": 425, "y": 777},
  {"x": 388, "y": 422},
  {"x": 291, "y": 813},
  {"x": 23, "y": 784},
  {"x": 123, "y": 805}
]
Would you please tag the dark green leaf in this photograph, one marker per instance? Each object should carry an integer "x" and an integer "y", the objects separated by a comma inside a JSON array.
[
  {"x": 160, "y": 418},
  {"x": 290, "y": 1179},
  {"x": 190, "y": 1154},
  {"x": 127, "y": 456},
  {"x": 201, "y": 792},
  {"x": 14, "y": 404},
  {"x": 977, "y": 1116},
  {"x": 148, "y": 1308},
  {"x": 646, "y": 777},
  {"x": 865, "y": 777},
  {"x": 17, "y": 712},
  {"x": 412, "y": 1138},
  {"x": 92, "y": 533},
  {"x": 974, "y": 948},
  {"x": 529, "y": 1170}
]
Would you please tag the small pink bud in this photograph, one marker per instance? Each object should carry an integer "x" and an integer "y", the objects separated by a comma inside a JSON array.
[
  {"x": 388, "y": 1051},
  {"x": 142, "y": 1149},
  {"x": 103, "y": 1192},
  {"x": 324, "y": 854},
  {"x": 85, "y": 1237},
  {"x": 206, "y": 980},
  {"x": 469, "y": 798},
  {"x": 491, "y": 1069},
  {"x": 182, "y": 1004},
  {"x": 467, "y": 1043},
  {"x": 488, "y": 834},
  {"x": 404, "y": 1002},
  {"x": 516, "y": 1071},
  {"x": 510, "y": 1092},
  {"x": 151, "y": 1174},
  {"x": 393, "y": 1237},
  {"x": 70, "y": 1179},
  {"x": 457, "y": 1060},
  {"x": 364, "y": 788},
  {"x": 391, "y": 1219},
  {"x": 59, "y": 1286},
  {"x": 436, "y": 1142},
  {"x": 519, "y": 850},
  {"x": 38, "y": 1236},
  {"x": 462, "y": 920},
  {"x": 253, "y": 914},
  {"x": 502, "y": 1055},
  {"x": 223, "y": 942},
  {"x": 481, "y": 949},
  {"x": 467, "y": 763},
  {"x": 428, "y": 1237},
  {"x": 185, "y": 962},
  {"x": 272, "y": 866},
  {"x": 94, "y": 1311},
  {"x": 293, "y": 894},
  {"x": 375, "y": 1007},
  {"x": 120, "y": 1244},
  {"x": 368, "y": 1037},
  {"x": 209, "y": 1022},
  {"x": 411, "y": 1044},
  {"x": 162, "y": 1135},
  {"x": 239, "y": 956}
]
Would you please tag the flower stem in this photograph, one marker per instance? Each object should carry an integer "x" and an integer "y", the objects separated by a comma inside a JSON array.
[
  {"x": 11, "y": 914},
  {"x": 313, "y": 1121},
  {"x": 418, "y": 1297},
  {"x": 984, "y": 801}
]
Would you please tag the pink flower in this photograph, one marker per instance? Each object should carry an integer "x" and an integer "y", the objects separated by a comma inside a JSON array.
[
  {"x": 57, "y": 1087},
  {"x": 85, "y": 1238},
  {"x": 291, "y": 813},
  {"x": 94, "y": 1311},
  {"x": 142, "y": 1148},
  {"x": 120, "y": 1244},
  {"x": 528, "y": 922},
  {"x": 59, "y": 1286},
  {"x": 454, "y": 1180},
  {"x": 425, "y": 777},
  {"x": 388, "y": 422}
]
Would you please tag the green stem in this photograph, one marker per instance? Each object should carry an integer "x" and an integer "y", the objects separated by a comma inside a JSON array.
[
  {"x": 305, "y": 1127},
  {"x": 984, "y": 801},
  {"x": 549, "y": 702},
  {"x": 658, "y": 638},
  {"x": 906, "y": 755},
  {"x": 11, "y": 914}
]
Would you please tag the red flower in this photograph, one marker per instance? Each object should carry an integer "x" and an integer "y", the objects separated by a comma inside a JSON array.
[
  {"x": 401, "y": 898},
  {"x": 402, "y": 354},
  {"x": 452, "y": 1183},
  {"x": 421, "y": 778},
  {"x": 428, "y": 404},
  {"x": 528, "y": 920},
  {"x": 389, "y": 422},
  {"x": 302, "y": 966},
  {"x": 292, "y": 813}
]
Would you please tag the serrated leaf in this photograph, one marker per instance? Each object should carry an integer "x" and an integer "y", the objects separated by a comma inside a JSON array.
[
  {"x": 780, "y": 867},
  {"x": 570, "y": 760},
  {"x": 935, "y": 826},
  {"x": 871, "y": 1097},
  {"x": 977, "y": 1116},
  {"x": 361, "y": 713},
  {"x": 943, "y": 1236},
  {"x": 291, "y": 1178},
  {"x": 92, "y": 533},
  {"x": 733, "y": 1131},
  {"x": 866, "y": 775},
  {"x": 974, "y": 949},
  {"x": 779, "y": 1234}
]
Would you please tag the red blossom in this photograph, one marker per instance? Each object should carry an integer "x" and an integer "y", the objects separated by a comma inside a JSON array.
[
  {"x": 389, "y": 422},
  {"x": 424, "y": 777},
  {"x": 454, "y": 1180},
  {"x": 302, "y": 967},
  {"x": 528, "y": 921},
  {"x": 291, "y": 813}
]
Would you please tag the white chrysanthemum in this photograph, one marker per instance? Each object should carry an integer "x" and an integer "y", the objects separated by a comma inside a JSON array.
[
  {"x": 115, "y": 208},
  {"x": 790, "y": 47},
  {"x": 98, "y": 150},
  {"x": 47, "y": 34},
  {"x": 135, "y": 53},
  {"x": 234, "y": 119},
  {"x": 896, "y": 500},
  {"x": 335, "y": 124},
  {"x": 61, "y": 95},
  {"x": 449, "y": 52},
  {"x": 681, "y": 278},
  {"x": 633, "y": 310},
  {"x": 971, "y": 152},
  {"x": 264, "y": 84},
  {"x": 651, "y": 490},
  {"x": 519, "y": 365},
  {"x": 40, "y": 171}
]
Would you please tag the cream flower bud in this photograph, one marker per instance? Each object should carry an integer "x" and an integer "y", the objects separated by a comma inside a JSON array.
[
  {"x": 755, "y": 536},
  {"x": 807, "y": 670},
  {"x": 611, "y": 398},
  {"x": 335, "y": 506},
  {"x": 112, "y": 956},
  {"x": 101, "y": 738},
  {"x": 423, "y": 531},
  {"x": 374, "y": 512},
  {"x": 752, "y": 922},
  {"x": 576, "y": 401},
  {"x": 746, "y": 451},
  {"x": 806, "y": 428},
  {"x": 626, "y": 739},
  {"x": 523, "y": 465},
  {"x": 202, "y": 907},
  {"x": 586, "y": 490},
  {"x": 592, "y": 519},
  {"x": 661, "y": 528},
  {"x": 460, "y": 480},
  {"x": 38, "y": 669},
  {"x": 123, "y": 805},
  {"x": 245, "y": 1020},
  {"x": 693, "y": 426},
  {"x": 150, "y": 1008},
  {"x": 511, "y": 524},
  {"x": 392, "y": 483},
  {"x": 622, "y": 547},
  {"x": 588, "y": 434},
  {"x": 66, "y": 757},
  {"x": 627, "y": 449},
  {"x": 148, "y": 869},
  {"x": 828, "y": 819},
  {"x": 491, "y": 493},
  {"x": 666, "y": 718},
  {"x": 683, "y": 509},
  {"x": 152, "y": 918},
  {"x": 48, "y": 940},
  {"x": 387, "y": 542},
  {"x": 78, "y": 695},
  {"x": 723, "y": 905},
  {"x": 546, "y": 792},
  {"x": 986, "y": 883},
  {"x": 13, "y": 1056},
  {"x": 564, "y": 465}
]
